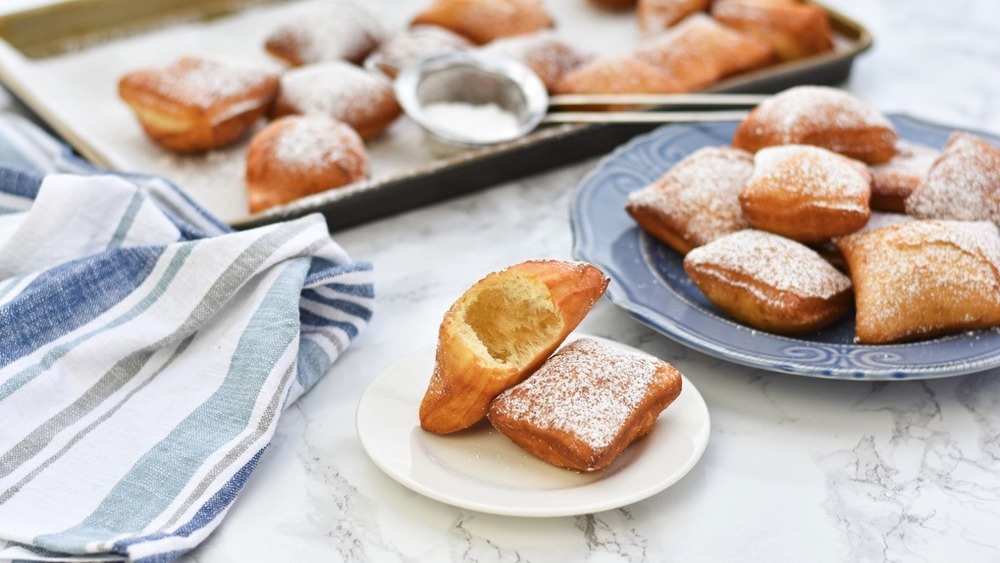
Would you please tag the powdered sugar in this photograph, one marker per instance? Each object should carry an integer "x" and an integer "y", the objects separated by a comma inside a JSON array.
[
  {"x": 314, "y": 142},
  {"x": 544, "y": 53},
  {"x": 408, "y": 46},
  {"x": 701, "y": 193},
  {"x": 773, "y": 260},
  {"x": 828, "y": 179},
  {"x": 335, "y": 88},
  {"x": 329, "y": 30},
  {"x": 801, "y": 110},
  {"x": 202, "y": 82},
  {"x": 471, "y": 122},
  {"x": 587, "y": 389},
  {"x": 964, "y": 183}
]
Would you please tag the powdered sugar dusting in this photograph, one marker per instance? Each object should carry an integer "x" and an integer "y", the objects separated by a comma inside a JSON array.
[
  {"x": 203, "y": 82},
  {"x": 774, "y": 260},
  {"x": 701, "y": 193},
  {"x": 330, "y": 29},
  {"x": 410, "y": 45},
  {"x": 587, "y": 389},
  {"x": 963, "y": 183},
  {"x": 899, "y": 262},
  {"x": 544, "y": 53},
  {"x": 315, "y": 142},
  {"x": 829, "y": 179},
  {"x": 335, "y": 88},
  {"x": 798, "y": 111}
]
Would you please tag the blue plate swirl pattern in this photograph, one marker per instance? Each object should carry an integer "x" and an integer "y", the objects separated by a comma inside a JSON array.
[{"x": 648, "y": 279}]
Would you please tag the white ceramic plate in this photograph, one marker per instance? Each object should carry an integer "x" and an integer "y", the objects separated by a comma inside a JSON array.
[{"x": 480, "y": 469}]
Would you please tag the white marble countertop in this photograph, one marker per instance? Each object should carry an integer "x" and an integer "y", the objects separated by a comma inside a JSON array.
[{"x": 796, "y": 469}]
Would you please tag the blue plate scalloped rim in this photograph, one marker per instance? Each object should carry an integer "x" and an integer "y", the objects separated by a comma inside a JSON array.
[{"x": 648, "y": 279}]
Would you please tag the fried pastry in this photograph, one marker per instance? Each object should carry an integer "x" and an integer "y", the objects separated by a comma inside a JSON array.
[
  {"x": 197, "y": 104},
  {"x": 793, "y": 29},
  {"x": 821, "y": 116},
  {"x": 769, "y": 282},
  {"x": 586, "y": 404},
  {"x": 299, "y": 155},
  {"x": 657, "y": 15},
  {"x": 326, "y": 30},
  {"x": 623, "y": 74},
  {"x": 696, "y": 201},
  {"x": 411, "y": 45},
  {"x": 806, "y": 193},
  {"x": 699, "y": 51},
  {"x": 361, "y": 99},
  {"x": 614, "y": 4},
  {"x": 499, "y": 332},
  {"x": 895, "y": 180},
  {"x": 924, "y": 278},
  {"x": 963, "y": 183},
  {"x": 483, "y": 21},
  {"x": 543, "y": 52}
]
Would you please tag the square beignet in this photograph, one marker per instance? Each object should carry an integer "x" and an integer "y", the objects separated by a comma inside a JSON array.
[
  {"x": 963, "y": 183},
  {"x": 328, "y": 30},
  {"x": 806, "y": 193},
  {"x": 895, "y": 180},
  {"x": 924, "y": 278},
  {"x": 792, "y": 28},
  {"x": 657, "y": 15},
  {"x": 197, "y": 104},
  {"x": 696, "y": 201},
  {"x": 586, "y": 404},
  {"x": 769, "y": 282},
  {"x": 821, "y": 116},
  {"x": 699, "y": 51},
  {"x": 617, "y": 74}
]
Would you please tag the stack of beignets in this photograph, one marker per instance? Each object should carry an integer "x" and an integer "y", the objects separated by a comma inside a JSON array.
[
  {"x": 586, "y": 404},
  {"x": 912, "y": 276}
]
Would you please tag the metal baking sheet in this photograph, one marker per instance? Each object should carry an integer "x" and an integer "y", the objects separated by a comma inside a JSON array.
[{"x": 64, "y": 60}]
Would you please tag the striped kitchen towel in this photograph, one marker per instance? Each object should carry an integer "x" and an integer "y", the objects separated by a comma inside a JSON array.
[{"x": 146, "y": 353}]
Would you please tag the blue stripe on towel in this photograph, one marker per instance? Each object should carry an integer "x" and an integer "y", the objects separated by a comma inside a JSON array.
[
  {"x": 87, "y": 288},
  {"x": 154, "y": 482}
]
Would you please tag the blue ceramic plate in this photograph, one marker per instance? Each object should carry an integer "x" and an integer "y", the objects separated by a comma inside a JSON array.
[{"x": 648, "y": 279}]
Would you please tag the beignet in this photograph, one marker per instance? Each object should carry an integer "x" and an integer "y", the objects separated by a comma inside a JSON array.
[
  {"x": 963, "y": 183},
  {"x": 299, "y": 155},
  {"x": 326, "y": 30},
  {"x": 411, "y": 45},
  {"x": 793, "y": 29},
  {"x": 586, "y": 404},
  {"x": 483, "y": 21},
  {"x": 820, "y": 116},
  {"x": 499, "y": 332},
  {"x": 806, "y": 193},
  {"x": 657, "y": 15},
  {"x": 769, "y": 282},
  {"x": 699, "y": 51},
  {"x": 361, "y": 99},
  {"x": 544, "y": 53},
  {"x": 623, "y": 74},
  {"x": 924, "y": 278},
  {"x": 696, "y": 201},
  {"x": 197, "y": 104},
  {"x": 895, "y": 180}
]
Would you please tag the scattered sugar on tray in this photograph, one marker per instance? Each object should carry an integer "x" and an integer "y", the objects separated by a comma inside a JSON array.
[
  {"x": 589, "y": 395},
  {"x": 473, "y": 122},
  {"x": 964, "y": 183},
  {"x": 779, "y": 262}
]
